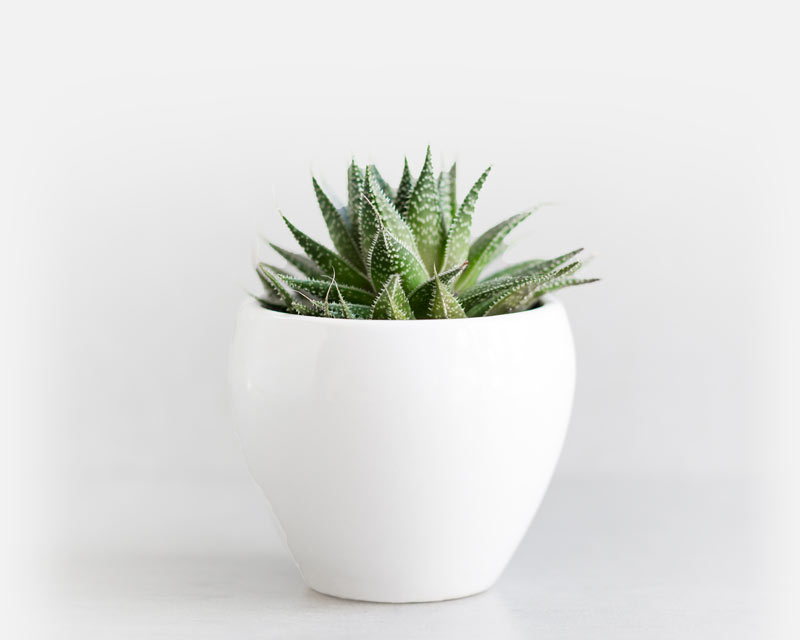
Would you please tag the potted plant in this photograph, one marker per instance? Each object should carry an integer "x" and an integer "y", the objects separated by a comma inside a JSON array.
[{"x": 404, "y": 460}]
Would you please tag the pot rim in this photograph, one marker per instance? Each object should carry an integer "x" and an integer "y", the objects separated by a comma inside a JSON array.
[{"x": 549, "y": 305}]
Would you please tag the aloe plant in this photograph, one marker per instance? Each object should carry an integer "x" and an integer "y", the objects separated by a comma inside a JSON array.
[{"x": 407, "y": 254}]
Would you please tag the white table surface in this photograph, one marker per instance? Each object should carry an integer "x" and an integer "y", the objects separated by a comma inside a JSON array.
[{"x": 606, "y": 557}]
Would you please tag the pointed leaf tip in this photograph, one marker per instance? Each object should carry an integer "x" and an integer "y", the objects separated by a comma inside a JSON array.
[
  {"x": 423, "y": 216},
  {"x": 392, "y": 303},
  {"x": 421, "y": 299},
  {"x": 404, "y": 190},
  {"x": 444, "y": 305},
  {"x": 456, "y": 248},
  {"x": 329, "y": 261},
  {"x": 341, "y": 235},
  {"x": 487, "y": 247}
]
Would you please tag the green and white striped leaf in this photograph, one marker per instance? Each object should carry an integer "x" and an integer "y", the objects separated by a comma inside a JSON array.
[
  {"x": 389, "y": 246},
  {"x": 531, "y": 267},
  {"x": 274, "y": 269},
  {"x": 392, "y": 303},
  {"x": 555, "y": 285},
  {"x": 274, "y": 286},
  {"x": 305, "y": 308},
  {"x": 376, "y": 200},
  {"x": 446, "y": 186},
  {"x": 341, "y": 236},
  {"x": 404, "y": 190},
  {"x": 319, "y": 288},
  {"x": 355, "y": 191},
  {"x": 456, "y": 247},
  {"x": 330, "y": 262},
  {"x": 424, "y": 218},
  {"x": 489, "y": 289},
  {"x": 523, "y": 296},
  {"x": 300, "y": 262},
  {"x": 477, "y": 299},
  {"x": 345, "y": 308},
  {"x": 514, "y": 270},
  {"x": 388, "y": 256},
  {"x": 271, "y": 297},
  {"x": 356, "y": 311},
  {"x": 335, "y": 310},
  {"x": 385, "y": 187},
  {"x": 420, "y": 299},
  {"x": 444, "y": 304},
  {"x": 487, "y": 247}
]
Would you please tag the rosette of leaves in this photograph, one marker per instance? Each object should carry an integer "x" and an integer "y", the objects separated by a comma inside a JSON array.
[{"x": 406, "y": 254}]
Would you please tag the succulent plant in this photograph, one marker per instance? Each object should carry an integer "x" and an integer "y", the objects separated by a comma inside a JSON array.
[{"x": 407, "y": 254}]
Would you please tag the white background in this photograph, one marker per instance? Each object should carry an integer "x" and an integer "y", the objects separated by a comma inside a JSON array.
[{"x": 151, "y": 144}]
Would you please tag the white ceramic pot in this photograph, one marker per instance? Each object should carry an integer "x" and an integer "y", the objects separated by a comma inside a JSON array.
[{"x": 403, "y": 460}]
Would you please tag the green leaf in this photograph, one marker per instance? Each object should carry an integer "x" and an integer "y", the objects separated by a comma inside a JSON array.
[
  {"x": 376, "y": 201},
  {"x": 355, "y": 190},
  {"x": 531, "y": 267},
  {"x": 490, "y": 289},
  {"x": 300, "y": 262},
  {"x": 424, "y": 218},
  {"x": 388, "y": 249},
  {"x": 388, "y": 256},
  {"x": 268, "y": 304},
  {"x": 392, "y": 303},
  {"x": 319, "y": 288},
  {"x": 555, "y": 285},
  {"x": 446, "y": 187},
  {"x": 345, "y": 308},
  {"x": 478, "y": 298},
  {"x": 337, "y": 228},
  {"x": 444, "y": 304},
  {"x": 356, "y": 311},
  {"x": 274, "y": 269},
  {"x": 518, "y": 269},
  {"x": 330, "y": 262},
  {"x": 346, "y": 311},
  {"x": 342, "y": 211},
  {"x": 335, "y": 310},
  {"x": 404, "y": 190},
  {"x": 387, "y": 190},
  {"x": 369, "y": 219},
  {"x": 305, "y": 308},
  {"x": 523, "y": 296},
  {"x": 274, "y": 285},
  {"x": 486, "y": 248},
  {"x": 443, "y": 192},
  {"x": 270, "y": 297},
  {"x": 456, "y": 247},
  {"x": 421, "y": 298}
]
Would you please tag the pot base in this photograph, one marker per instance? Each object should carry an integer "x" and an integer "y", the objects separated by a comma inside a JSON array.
[{"x": 408, "y": 599}]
